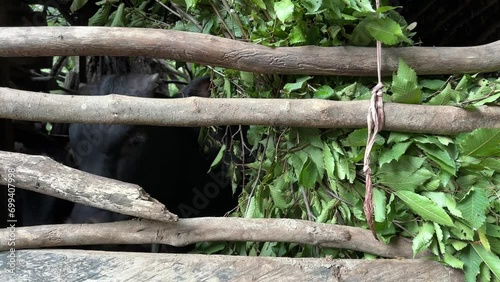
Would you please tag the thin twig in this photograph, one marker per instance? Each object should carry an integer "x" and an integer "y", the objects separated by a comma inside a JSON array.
[{"x": 310, "y": 215}]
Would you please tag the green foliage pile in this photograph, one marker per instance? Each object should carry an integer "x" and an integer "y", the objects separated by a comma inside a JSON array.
[{"x": 441, "y": 191}]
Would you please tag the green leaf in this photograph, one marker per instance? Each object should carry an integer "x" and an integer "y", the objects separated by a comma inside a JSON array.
[
  {"x": 210, "y": 247},
  {"x": 493, "y": 230},
  {"x": 487, "y": 100},
  {"x": 358, "y": 137},
  {"x": 48, "y": 127},
  {"x": 251, "y": 209},
  {"x": 423, "y": 239},
  {"x": 482, "y": 91},
  {"x": 308, "y": 175},
  {"x": 433, "y": 84},
  {"x": 360, "y": 35},
  {"x": 404, "y": 85},
  {"x": 326, "y": 211},
  {"x": 404, "y": 174},
  {"x": 491, "y": 163},
  {"x": 384, "y": 9},
  {"x": 472, "y": 261},
  {"x": 119, "y": 18},
  {"x": 342, "y": 166},
  {"x": 440, "y": 237},
  {"x": 289, "y": 87},
  {"x": 379, "y": 205},
  {"x": 101, "y": 17},
  {"x": 191, "y": 4},
  {"x": 481, "y": 232},
  {"x": 473, "y": 207},
  {"x": 219, "y": 156},
  {"x": 453, "y": 261},
  {"x": 312, "y": 6},
  {"x": 247, "y": 78},
  {"x": 297, "y": 160},
  {"x": 316, "y": 203},
  {"x": 309, "y": 136},
  {"x": 277, "y": 191},
  {"x": 323, "y": 92},
  {"x": 316, "y": 155},
  {"x": 337, "y": 148},
  {"x": 424, "y": 207},
  {"x": 464, "y": 82},
  {"x": 490, "y": 259},
  {"x": 397, "y": 137},
  {"x": 386, "y": 30},
  {"x": 260, "y": 4},
  {"x": 433, "y": 184},
  {"x": 485, "y": 274},
  {"x": 482, "y": 142},
  {"x": 284, "y": 10},
  {"x": 329, "y": 161},
  {"x": 462, "y": 231},
  {"x": 441, "y": 157},
  {"x": 258, "y": 199},
  {"x": 444, "y": 200},
  {"x": 77, "y": 4},
  {"x": 255, "y": 133},
  {"x": 495, "y": 245},
  {"x": 451, "y": 205},
  {"x": 394, "y": 153},
  {"x": 359, "y": 5},
  {"x": 444, "y": 140},
  {"x": 458, "y": 245},
  {"x": 268, "y": 249},
  {"x": 297, "y": 34},
  {"x": 443, "y": 98}
]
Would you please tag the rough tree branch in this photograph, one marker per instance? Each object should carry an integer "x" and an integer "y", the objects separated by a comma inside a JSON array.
[
  {"x": 195, "y": 111},
  {"x": 44, "y": 175},
  {"x": 216, "y": 51},
  {"x": 206, "y": 229}
]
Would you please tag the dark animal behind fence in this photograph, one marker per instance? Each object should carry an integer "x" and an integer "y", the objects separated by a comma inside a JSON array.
[
  {"x": 165, "y": 161},
  {"x": 33, "y": 208}
]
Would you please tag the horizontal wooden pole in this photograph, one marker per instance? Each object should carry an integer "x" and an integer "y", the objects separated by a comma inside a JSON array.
[
  {"x": 74, "y": 265},
  {"x": 195, "y": 111},
  {"x": 217, "y": 51},
  {"x": 205, "y": 229}
]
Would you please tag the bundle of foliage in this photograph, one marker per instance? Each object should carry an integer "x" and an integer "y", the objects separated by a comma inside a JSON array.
[{"x": 441, "y": 191}]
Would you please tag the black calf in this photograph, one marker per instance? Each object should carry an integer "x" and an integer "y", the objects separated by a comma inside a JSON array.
[{"x": 165, "y": 161}]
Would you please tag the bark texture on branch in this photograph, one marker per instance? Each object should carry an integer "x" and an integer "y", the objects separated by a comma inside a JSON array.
[
  {"x": 195, "y": 111},
  {"x": 44, "y": 175},
  {"x": 74, "y": 265},
  {"x": 189, "y": 231},
  {"x": 216, "y": 51}
]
